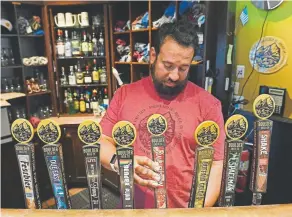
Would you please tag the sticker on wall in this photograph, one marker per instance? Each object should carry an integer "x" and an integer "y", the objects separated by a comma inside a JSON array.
[{"x": 271, "y": 55}]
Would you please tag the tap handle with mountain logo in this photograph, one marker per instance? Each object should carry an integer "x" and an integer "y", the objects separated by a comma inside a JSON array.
[
  {"x": 50, "y": 133},
  {"x": 22, "y": 131},
  {"x": 89, "y": 132},
  {"x": 235, "y": 129},
  {"x": 157, "y": 126},
  {"x": 263, "y": 108},
  {"x": 124, "y": 135},
  {"x": 206, "y": 134}
]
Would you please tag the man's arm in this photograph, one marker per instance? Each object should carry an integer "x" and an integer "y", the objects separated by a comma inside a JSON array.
[
  {"x": 214, "y": 183},
  {"x": 107, "y": 150}
]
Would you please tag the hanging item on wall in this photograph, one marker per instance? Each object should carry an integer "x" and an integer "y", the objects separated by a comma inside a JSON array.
[
  {"x": 266, "y": 4},
  {"x": 269, "y": 55}
]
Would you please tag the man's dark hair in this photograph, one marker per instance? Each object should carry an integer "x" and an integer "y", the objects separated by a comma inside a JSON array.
[{"x": 183, "y": 32}]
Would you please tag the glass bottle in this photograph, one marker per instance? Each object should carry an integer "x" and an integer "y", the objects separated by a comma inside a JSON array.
[
  {"x": 72, "y": 76},
  {"x": 75, "y": 41},
  {"x": 103, "y": 77},
  {"x": 101, "y": 45},
  {"x": 82, "y": 104},
  {"x": 90, "y": 46},
  {"x": 94, "y": 103},
  {"x": 100, "y": 99},
  {"x": 63, "y": 78},
  {"x": 68, "y": 46},
  {"x": 60, "y": 44},
  {"x": 95, "y": 73},
  {"x": 76, "y": 102},
  {"x": 11, "y": 59},
  {"x": 105, "y": 98},
  {"x": 84, "y": 44},
  {"x": 4, "y": 57},
  {"x": 87, "y": 76},
  {"x": 94, "y": 44},
  {"x": 88, "y": 102},
  {"x": 79, "y": 75},
  {"x": 66, "y": 104}
]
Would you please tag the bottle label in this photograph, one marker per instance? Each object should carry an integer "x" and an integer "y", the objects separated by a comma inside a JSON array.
[
  {"x": 79, "y": 77},
  {"x": 103, "y": 78},
  {"x": 106, "y": 101},
  {"x": 82, "y": 106},
  {"x": 84, "y": 47},
  {"x": 90, "y": 47},
  {"x": 76, "y": 105},
  {"x": 94, "y": 105},
  {"x": 72, "y": 80},
  {"x": 87, "y": 105},
  {"x": 68, "y": 51},
  {"x": 95, "y": 76},
  {"x": 87, "y": 80},
  {"x": 60, "y": 49},
  {"x": 75, "y": 47}
]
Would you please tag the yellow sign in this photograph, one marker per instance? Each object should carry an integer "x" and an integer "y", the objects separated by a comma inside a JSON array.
[
  {"x": 157, "y": 124},
  {"x": 269, "y": 55},
  {"x": 49, "y": 131},
  {"x": 89, "y": 132},
  {"x": 207, "y": 133},
  {"x": 236, "y": 127},
  {"x": 263, "y": 106},
  {"x": 22, "y": 130},
  {"x": 124, "y": 133}
]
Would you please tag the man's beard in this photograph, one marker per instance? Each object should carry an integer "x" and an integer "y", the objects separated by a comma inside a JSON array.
[{"x": 165, "y": 91}]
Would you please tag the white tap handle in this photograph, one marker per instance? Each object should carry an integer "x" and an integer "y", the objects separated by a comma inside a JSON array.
[{"x": 117, "y": 76}]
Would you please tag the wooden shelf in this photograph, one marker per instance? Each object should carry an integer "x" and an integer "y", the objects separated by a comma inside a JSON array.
[
  {"x": 137, "y": 63},
  {"x": 133, "y": 63},
  {"x": 140, "y": 30},
  {"x": 89, "y": 57},
  {"x": 119, "y": 33},
  {"x": 38, "y": 94},
  {"x": 73, "y": 28},
  {"x": 85, "y": 85},
  {"x": 8, "y": 35},
  {"x": 123, "y": 63},
  {"x": 11, "y": 67}
]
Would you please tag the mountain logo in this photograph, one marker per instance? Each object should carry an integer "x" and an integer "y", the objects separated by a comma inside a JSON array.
[
  {"x": 89, "y": 132},
  {"x": 124, "y": 133},
  {"x": 156, "y": 124},
  {"x": 264, "y": 106},
  {"x": 22, "y": 130},
  {"x": 236, "y": 127},
  {"x": 49, "y": 131},
  {"x": 207, "y": 133}
]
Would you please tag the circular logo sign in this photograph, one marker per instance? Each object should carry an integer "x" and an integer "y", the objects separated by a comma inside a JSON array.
[
  {"x": 207, "y": 133},
  {"x": 263, "y": 106},
  {"x": 49, "y": 131},
  {"x": 22, "y": 130},
  {"x": 236, "y": 127},
  {"x": 156, "y": 124},
  {"x": 89, "y": 132},
  {"x": 124, "y": 133},
  {"x": 270, "y": 56}
]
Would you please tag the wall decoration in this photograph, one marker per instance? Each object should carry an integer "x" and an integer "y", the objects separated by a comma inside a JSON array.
[{"x": 271, "y": 55}]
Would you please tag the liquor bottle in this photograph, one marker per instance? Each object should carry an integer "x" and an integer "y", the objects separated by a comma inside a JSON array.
[
  {"x": 72, "y": 76},
  {"x": 82, "y": 106},
  {"x": 94, "y": 44},
  {"x": 76, "y": 102},
  {"x": 66, "y": 105},
  {"x": 88, "y": 102},
  {"x": 79, "y": 74},
  {"x": 100, "y": 99},
  {"x": 105, "y": 98},
  {"x": 84, "y": 44},
  {"x": 94, "y": 103},
  {"x": 68, "y": 48},
  {"x": 60, "y": 46},
  {"x": 63, "y": 78},
  {"x": 103, "y": 77},
  {"x": 75, "y": 41},
  {"x": 90, "y": 45},
  {"x": 87, "y": 76},
  {"x": 101, "y": 45},
  {"x": 95, "y": 73},
  {"x": 71, "y": 103}
]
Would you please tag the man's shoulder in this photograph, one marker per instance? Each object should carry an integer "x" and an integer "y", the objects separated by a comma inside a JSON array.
[
  {"x": 201, "y": 94},
  {"x": 132, "y": 88}
]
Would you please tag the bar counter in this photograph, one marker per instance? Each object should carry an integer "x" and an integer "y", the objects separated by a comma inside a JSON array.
[{"x": 283, "y": 210}]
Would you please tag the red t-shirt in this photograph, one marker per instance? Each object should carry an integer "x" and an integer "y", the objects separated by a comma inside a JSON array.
[{"x": 136, "y": 102}]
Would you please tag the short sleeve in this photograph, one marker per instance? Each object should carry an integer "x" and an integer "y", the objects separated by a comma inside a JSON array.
[
  {"x": 111, "y": 116},
  {"x": 215, "y": 114}
]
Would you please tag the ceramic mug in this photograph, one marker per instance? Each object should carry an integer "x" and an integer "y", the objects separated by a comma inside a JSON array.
[
  {"x": 70, "y": 20},
  {"x": 83, "y": 19},
  {"x": 60, "y": 20}
]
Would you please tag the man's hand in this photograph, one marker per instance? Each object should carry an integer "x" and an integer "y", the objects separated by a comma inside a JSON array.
[{"x": 144, "y": 172}]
